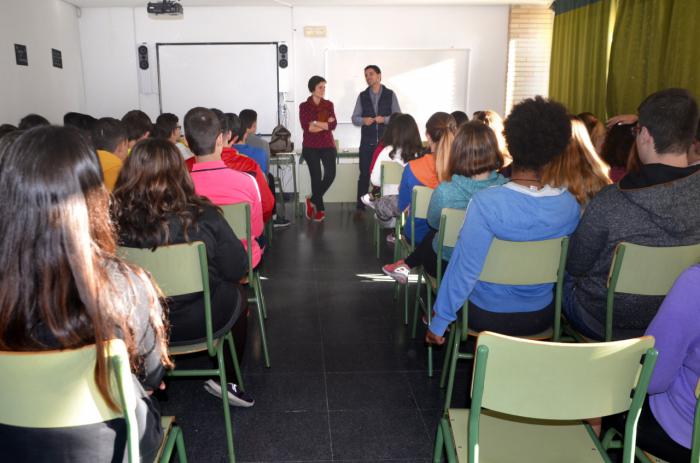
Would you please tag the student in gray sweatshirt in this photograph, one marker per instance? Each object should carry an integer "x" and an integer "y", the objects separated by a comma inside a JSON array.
[{"x": 654, "y": 206}]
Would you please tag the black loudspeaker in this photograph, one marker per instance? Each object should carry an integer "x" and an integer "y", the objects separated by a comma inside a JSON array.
[
  {"x": 282, "y": 60},
  {"x": 143, "y": 57}
]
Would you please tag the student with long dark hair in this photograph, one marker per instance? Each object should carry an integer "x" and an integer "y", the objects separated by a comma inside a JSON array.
[
  {"x": 62, "y": 287},
  {"x": 155, "y": 204}
]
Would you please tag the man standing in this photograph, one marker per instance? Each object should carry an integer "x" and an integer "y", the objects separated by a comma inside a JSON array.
[{"x": 373, "y": 109}]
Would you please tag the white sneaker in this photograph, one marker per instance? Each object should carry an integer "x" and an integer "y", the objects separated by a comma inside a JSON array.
[
  {"x": 367, "y": 200},
  {"x": 235, "y": 396}
]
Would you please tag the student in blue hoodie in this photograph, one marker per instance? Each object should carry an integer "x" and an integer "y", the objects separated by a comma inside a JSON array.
[
  {"x": 523, "y": 209},
  {"x": 474, "y": 159}
]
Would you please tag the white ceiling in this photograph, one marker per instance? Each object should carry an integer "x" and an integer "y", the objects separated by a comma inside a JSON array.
[{"x": 186, "y": 3}]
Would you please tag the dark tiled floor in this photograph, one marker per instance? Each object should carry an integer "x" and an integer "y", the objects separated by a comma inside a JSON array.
[{"x": 347, "y": 382}]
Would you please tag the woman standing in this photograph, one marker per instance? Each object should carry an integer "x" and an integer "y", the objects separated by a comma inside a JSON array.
[{"x": 317, "y": 118}]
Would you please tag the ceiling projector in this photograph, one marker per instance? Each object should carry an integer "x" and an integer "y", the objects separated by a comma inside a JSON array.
[{"x": 169, "y": 7}]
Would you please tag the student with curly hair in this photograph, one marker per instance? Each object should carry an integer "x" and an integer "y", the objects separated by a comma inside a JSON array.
[
  {"x": 524, "y": 209},
  {"x": 155, "y": 204}
]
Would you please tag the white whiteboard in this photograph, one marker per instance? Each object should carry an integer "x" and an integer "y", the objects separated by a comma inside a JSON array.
[
  {"x": 227, "y": 76},
  {"x": 425, "y": 81}
]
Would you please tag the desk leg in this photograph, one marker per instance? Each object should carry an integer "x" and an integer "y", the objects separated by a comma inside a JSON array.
[{"x": 297, "y": 207}]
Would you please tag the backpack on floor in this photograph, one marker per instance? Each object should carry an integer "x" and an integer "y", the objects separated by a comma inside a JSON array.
[{"x": 281, "y": 140}]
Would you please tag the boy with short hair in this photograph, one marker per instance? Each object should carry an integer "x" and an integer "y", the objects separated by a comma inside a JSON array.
[
  {"x": 138, "y": 126},
  {"x": 247, "y": 140},
  {"x": 213, "y": 179},
  {"x": 110, "y": 140}
]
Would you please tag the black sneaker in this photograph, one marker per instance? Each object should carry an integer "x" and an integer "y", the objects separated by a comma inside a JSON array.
[
  {"x": 280, "y": 222},
  {"x": 236, "y": 397}
]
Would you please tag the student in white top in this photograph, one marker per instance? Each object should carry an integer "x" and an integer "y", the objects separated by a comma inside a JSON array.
[{"x": 406, "y": 145}]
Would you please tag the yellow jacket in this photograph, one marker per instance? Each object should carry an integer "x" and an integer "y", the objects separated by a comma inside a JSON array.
[{"x": 111, "y": 165}]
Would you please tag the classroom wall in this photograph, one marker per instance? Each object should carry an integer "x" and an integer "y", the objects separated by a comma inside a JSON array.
[
  {"x": 109, "y": 37},
  {"x": 40, "y": 88},
  {"x": 482, "y": 29}
]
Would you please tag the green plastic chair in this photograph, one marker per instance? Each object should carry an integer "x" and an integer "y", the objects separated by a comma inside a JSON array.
[
  {"x": 420, "y": 200},
  {"x": 645, "y": 270},
  {"x": 182, "y": 269},
  {"x": 529, "y": 399},
  {"x": 451, "y": 221},
  {"x": 73, "y": 398},
  {"x": 238, "y": 217},
  {"x": 512, "y": 263},
  {"x": 391, "y": 173}
]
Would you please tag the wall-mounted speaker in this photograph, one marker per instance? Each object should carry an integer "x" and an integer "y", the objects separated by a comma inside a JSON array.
[
  {"x": 143, "y": 57},
  {"x": 282, "y": 56}
]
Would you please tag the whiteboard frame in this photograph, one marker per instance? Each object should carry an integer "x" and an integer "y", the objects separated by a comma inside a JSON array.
[
  {"x": 468, "y": 64},
  {"x": 277, "y": 68}
]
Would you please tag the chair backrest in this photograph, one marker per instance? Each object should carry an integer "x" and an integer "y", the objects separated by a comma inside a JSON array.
[
  {"x": 177, "y": 269},
  {"x": 420, "y": 201},
  {"x": 57, "y": 389},
  {"x": 649, "y": 271},
  {"x": 560, "y": 381},
  {"x": 391, "y": 173},
  {"x": 451, "y": 226},
  {"x": 524, "y": 263},
  {"x": 238, "y": 217}
]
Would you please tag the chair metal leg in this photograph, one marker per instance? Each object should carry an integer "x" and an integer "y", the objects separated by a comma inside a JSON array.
[
  {"x": 227, "y": 411},
  {"x": 453, "y": 369},
  {"x": 180, "y": 446},
  {"x": 261, "y": 319},
  {"x": 236, "y": 366},
  {"x": 415, "y": 305},
  {"x": 262, "y": 296},
  {"x": 437, "y": 450},
  {"x": 448, "y": 353},
  {"x": 428, "y": 314}
]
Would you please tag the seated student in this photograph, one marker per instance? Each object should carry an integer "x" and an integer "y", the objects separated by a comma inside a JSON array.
[
  {"x": 406, "y": 146},
  {"x": 666, "y": 424},
  {"x": 617, "y": 148},
  {"x": 110, "y": 140},
  {"x": 428, "y": 170},
  {"x": 596, "y": 130},
  {"x": 32, "y": 120},
  {"x": 474, "y": 160},
  {"x": 7, "y": 128},
  {"x": 460, "y": 117},
  {"x": 138, "y": 126},
  {"x": 67, "y": 296},
  {"x": 655, "y": 207},
  {"x": 525, "y": 209},
  {"x": 384, "y": 142},
  {"x": 259, "y": 155},
  {"x": 155, "y": 205},
  {"x": 579, "y": 169},
  {"x": 249, "y": 120},
  {"x": 495, "y": 121},
  {"x": 214, "y": 180},
  {"x": 167, "y": 127},
  {"x": 80, "y": 121},
  {"x": 241, "y": 163}
]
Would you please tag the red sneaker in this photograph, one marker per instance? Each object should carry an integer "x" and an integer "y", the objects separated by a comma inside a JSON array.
[
  {"x": 310, "y": 208},
  {"x": 399, "y": 271},
  {"x": 319, "y": 216}
]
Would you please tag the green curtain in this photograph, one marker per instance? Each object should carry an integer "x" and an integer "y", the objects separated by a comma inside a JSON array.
[
  {"x": 656, "y": 45},
  {"x": 580, "y": 50}
]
